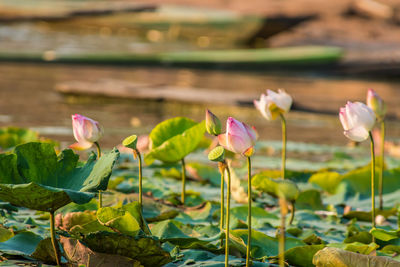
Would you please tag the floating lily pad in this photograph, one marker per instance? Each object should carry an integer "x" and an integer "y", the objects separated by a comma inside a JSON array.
[
  {"x": 174, "y": 139},
  {"x": 127, "y": 219},
  {"x": 342, "y": 258},
  {"x": 34, "y": 177},
  {"x": 145, "y": 249},
  {"x": 276, "y": 187}
]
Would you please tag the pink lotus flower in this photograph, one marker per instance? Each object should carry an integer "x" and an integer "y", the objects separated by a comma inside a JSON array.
[
  {"x": 273, "y": 104},
  {"x": 357, "y": 120},
  {"x": 375, "y": 102},
  {"x": 86, "y": 132},
  {"x": 239, "y": 137}
]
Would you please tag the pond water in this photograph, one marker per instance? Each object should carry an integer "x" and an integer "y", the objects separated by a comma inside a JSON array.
[{"x": 28, "y": 99}]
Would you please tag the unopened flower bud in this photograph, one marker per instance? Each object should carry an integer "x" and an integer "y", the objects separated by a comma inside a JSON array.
[{"x": 213, "y": 124}]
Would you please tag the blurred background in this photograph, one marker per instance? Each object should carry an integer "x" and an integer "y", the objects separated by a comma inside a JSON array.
[{"x": 131, "y": 64}]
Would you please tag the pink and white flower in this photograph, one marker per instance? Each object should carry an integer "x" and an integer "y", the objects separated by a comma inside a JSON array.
[
  {"x": 239, "y": 137},
  {"x": 86, "y": 132},
  {"x": 357, "y": 120},
  {"x": 273, "y": 104}
]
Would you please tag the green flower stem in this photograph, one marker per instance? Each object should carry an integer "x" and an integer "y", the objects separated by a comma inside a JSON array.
[
  {"x": 283, "y": 206},
  {"x": 292, "y": 212},
  {"x": 248, "y": 260},
  {"x": 53, "y": 239},
  {"x": 222, "y": 166},
  {"x": 372, "y": 181},
  {"x": 183, "y": 181},
  {"x": 228, "y": 204},
  {"x": 382, "y": 162},
  {"x": 98, "y": 156},
  {"x": 100, "y": 199},
  {"x": 283, "y": 166},
  {"x": 137, "y": 153}
]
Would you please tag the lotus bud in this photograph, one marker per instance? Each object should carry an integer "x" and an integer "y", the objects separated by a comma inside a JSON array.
[
  {"x": 357, "y": 120},
  {"x": 86, "y": 132},
  {"x": 239, "y": 137},
  {"x": 273, "y": 104},
  {"x": 375, "y": 102},
  {"x": 213, "y": 124}
]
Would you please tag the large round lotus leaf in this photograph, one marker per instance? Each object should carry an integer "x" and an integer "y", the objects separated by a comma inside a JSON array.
[
  {"x": 35, "y": 177},
  {"x": 145, "y": 249},
  {"x": 342, "y": 258},
  {"x": 174, "y": 139}
]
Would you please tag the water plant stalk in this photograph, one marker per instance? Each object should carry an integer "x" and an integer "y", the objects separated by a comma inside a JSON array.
[
  {"x": 99, "y": 192},
  {"x": 228, "y": 204},
  {"x": 53, "y": 239},
  {"x": 222, "y": 166},
  {"x": 137, "y": 153},
  {"x": 372, "y": 181},
  {"x": 292, "y": 212},
  {"x": 382, "y": 162},
  {"x": 183, "y": 181},
  {"x": 284, "y": 135},
  {"x": 248, "y": 260},
  {"x": 283, "y": 207},
  {"x": 283, "y": 164}
]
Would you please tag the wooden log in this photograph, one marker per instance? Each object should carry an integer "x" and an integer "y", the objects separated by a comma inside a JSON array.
[{"x": 121, "y": 89}]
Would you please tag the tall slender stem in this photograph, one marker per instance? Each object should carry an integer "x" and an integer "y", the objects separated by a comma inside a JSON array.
[
  {"x": 283, "y": 206},
  {"x": 248, "y": 260},
  {"x": 292, "y": 212},
  {"x": 222, "y": 167},
  {"x": 53, "y": 239},
  {"x": 228, "y": 205},
  {"x": 100, "y": 199},
  {"x": 183, "y": 181},
  {"x": 283, "y": 165},
  {"x": 372, "y": 179},
  {"x": 98, "y": 156},
  {"x": 140, "y": 177},
  {"x": 382, "y": 162}
]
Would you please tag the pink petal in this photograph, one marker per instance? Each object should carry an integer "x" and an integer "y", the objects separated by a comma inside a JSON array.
[
  {"x": 357, "y": 134},
  {"x": 251, "y": 132},
  {"x": 81, "y": 146},
  {"x": 222, "y": 140},
  {"x": 238, "y": 144},
  {"x": 235, "y": 127}
]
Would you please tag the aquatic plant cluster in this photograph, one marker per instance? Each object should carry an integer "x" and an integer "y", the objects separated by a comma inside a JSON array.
[{"x": 163, "y": 229}]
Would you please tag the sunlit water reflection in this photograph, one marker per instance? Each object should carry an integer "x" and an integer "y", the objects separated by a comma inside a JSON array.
[{"x": 28, "y": 99}]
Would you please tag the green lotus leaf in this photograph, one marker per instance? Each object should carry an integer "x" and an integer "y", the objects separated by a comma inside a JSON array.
[
  {"x": 145, "y": 249},
  {"x": 23, "y": 243},
  {"x": 276, "y": 187},
  {"x": 127, "y": 219},
  {"x": 341, "y": 258},
  {"x": 263, "y": 245},
  {"x": 35, "y": 177},
  {"x": 302, "y": 256},
  {"x": 174, "y": 139},
  {"x": 169, "y": 231},
  {"x": 12, "y": 136},
  {"x": 384, "y": 235}
]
